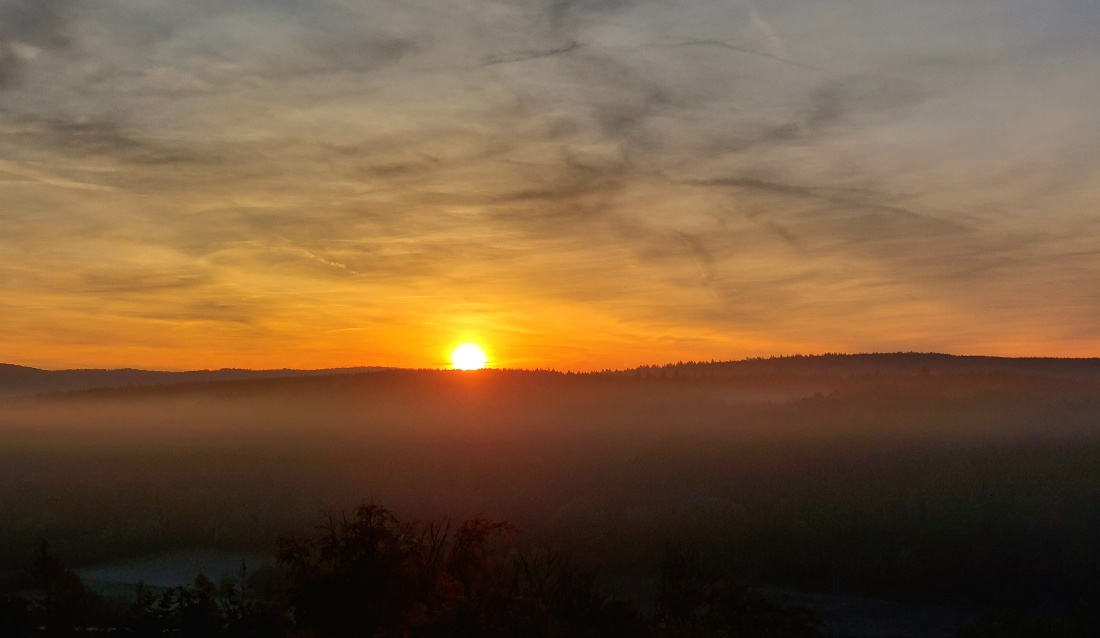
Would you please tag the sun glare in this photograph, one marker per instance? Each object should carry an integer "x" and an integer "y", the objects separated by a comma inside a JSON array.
[{"x": 468, "y": 356}]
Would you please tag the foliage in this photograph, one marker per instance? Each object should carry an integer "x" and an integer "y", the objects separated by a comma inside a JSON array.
[
  {"x": 692, "y": 602},
  {"x": 370, "y": 575},
  {"x": 204, "y": 610},
  {"x": 15, "y": 616},
  {"x": 58, "y": 600},
  {"x": 1082, "y": 622}
]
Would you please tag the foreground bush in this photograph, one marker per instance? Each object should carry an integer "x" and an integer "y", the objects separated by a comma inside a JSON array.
[{"x": 368, "y": 575}]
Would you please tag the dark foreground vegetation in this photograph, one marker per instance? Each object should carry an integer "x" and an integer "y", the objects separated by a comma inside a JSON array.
[
  {"x": 919, "y": 479},
  {"x": 369, "y": 575}
]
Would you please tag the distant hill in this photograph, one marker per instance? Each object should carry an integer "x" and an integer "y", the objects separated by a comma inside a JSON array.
[
  {"x": 21, "y": 380},
  {"x": 805, "y": 374},
  {"x": 897, "y": 363}
]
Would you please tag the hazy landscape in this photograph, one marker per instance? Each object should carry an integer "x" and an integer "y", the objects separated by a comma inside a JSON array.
[
  {"x": 949, "y": 487},
  {"x": 550, "y": 318}
]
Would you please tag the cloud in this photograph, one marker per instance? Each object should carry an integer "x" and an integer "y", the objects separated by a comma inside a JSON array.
[
  {"x": 93, "y": 138},
  {"x": 41, "y": 23},
  {"x": 27, "y": 27},
  {"x": 529, "y": 54},
  {"x": 739, "y": 166}
]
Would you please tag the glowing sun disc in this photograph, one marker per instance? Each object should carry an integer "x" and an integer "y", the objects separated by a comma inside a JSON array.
[{"x": 468, "y": 356}]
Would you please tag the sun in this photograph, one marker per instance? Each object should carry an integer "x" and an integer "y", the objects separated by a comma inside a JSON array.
[{"x": 468, "y": 356}]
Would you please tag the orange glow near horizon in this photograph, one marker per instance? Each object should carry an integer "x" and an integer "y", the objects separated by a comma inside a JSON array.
[{"x": 304, "y": 326}]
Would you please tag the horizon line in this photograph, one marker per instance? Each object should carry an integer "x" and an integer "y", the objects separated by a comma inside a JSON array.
[{"x": 367, "y": 367}]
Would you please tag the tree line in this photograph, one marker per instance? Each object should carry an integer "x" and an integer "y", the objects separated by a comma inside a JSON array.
[{"x": 368, "y": 574}]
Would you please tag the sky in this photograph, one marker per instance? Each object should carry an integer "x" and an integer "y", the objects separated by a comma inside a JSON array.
[{"x": 572, "y": 184}]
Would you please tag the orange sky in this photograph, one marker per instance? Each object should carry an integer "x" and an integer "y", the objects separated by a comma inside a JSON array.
[{"x": 572, "y": 186}]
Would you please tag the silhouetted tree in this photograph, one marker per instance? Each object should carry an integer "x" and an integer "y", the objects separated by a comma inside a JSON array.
[
  {"x": 140, "y": 619},
  {"x": 692, "y": 602},
  {"x": 734, "y": 611},
  {"x": 15, "y": 617},
  {"x": 683, "y": 587},
  {"x": 552, "y": 594},
  {"x": 369, "y": 575},
  {"x": 203, "y": 609},
  {"x": 57, "y": 594},
  {"x": 355, "y": 578}
]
